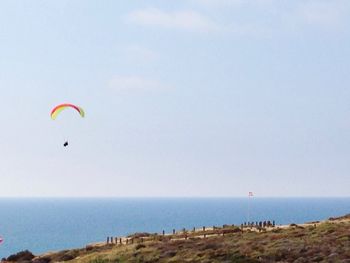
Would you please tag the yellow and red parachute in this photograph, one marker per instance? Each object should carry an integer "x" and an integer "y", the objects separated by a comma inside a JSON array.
[{"x": 57, "y": 110}]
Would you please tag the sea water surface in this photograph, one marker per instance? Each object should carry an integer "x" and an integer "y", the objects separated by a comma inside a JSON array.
[{"x": 42, "y": 225}]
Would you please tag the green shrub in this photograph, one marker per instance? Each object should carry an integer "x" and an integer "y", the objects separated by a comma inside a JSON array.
[
  {"x": 139, "y": 246},
  {"x": 99, "y": 260}
]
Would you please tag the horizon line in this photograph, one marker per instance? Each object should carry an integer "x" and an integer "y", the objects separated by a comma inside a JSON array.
[{"x": 161, "y": 197}]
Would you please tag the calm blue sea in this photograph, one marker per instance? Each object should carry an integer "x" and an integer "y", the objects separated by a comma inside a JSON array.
[{"x": 42, "y": 225}]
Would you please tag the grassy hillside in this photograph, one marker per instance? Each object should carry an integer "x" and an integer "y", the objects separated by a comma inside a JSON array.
[{"x": 327, "y": 241}]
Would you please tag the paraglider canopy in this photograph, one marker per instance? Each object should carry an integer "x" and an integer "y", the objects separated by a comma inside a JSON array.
[
  {"x": 1, "y": 240},
  {"x": 57, "y": 110}
]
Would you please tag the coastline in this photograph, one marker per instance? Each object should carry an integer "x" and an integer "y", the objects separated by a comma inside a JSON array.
[
  {"x": 298, "y": 236},
  {"x": 56, "y": 225}
]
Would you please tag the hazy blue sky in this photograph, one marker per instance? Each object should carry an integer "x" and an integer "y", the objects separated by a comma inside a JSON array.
[{"x": 182, "y": 98}]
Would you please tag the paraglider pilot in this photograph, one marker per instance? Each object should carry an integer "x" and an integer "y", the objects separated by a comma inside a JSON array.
[{"x": 65, "y": 144}]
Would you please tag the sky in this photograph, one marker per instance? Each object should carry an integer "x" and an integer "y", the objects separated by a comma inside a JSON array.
[{"x": 186, "y": 98}]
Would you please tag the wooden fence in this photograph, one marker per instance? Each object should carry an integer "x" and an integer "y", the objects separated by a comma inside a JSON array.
[{"x": 202, "y": 232}]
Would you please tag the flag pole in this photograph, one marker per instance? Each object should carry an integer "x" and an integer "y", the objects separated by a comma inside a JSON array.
[
  {"x": 250, "y": 194},
  {"x": 248, "y": 217}
]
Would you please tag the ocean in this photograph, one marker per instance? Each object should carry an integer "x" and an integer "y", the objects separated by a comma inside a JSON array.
[{"x": 42, "y": 225}]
